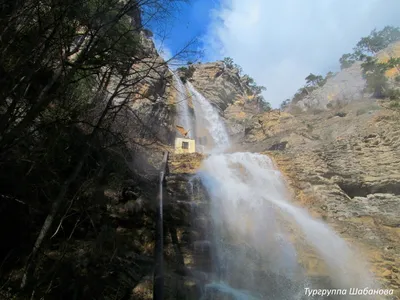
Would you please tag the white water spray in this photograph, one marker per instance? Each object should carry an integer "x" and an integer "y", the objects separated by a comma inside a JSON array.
[
  {"x": 207, "y": 116},
  {"x": 261, "y": 241},
  {"x": 260, "y": 236},
  {"x": 184, "y": 118}
]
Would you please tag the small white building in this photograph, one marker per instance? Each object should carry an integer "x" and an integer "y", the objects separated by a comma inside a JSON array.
[{"x": 184, "y": 145}]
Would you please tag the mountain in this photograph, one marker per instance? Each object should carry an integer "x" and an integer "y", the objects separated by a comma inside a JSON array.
[
  {"x": 88, "y": 108},
  {"x": 338, "y": 150},
  {"x": 347, "y": 85}
]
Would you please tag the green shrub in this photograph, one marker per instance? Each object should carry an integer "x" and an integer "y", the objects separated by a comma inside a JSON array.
[
  {"x": 228, "y": 61},
  {"x": 395, "y": 105},
  {"x": 186, "y": 73},
  {"x": 393, "y": 94}
]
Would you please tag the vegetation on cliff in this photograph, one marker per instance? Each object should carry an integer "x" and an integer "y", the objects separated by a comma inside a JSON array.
[
  {"x": 373, "y": 70},
  {"x": 376, "y": 80},
  {"x": 370, "y": 45},
  {"x": 313, "y": 82},
  {"x": 186, "y": 72},
  {"x": 253, "y": 89}
]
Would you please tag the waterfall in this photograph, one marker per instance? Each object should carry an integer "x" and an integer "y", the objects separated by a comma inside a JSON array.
[
  {"x": 208, "y": 118},
  {"x": 259, "y": 236},
  {"x": 184, "y": 118},
  {"x": 263, "y": 246}
]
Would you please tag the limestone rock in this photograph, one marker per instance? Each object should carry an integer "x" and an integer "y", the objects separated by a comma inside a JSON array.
[
  {"x": 346, "y": 171},
  {"x": 220, "y": 85},
  {"x": 228, "y": 92},
  {"x": 348, "y": 85}
]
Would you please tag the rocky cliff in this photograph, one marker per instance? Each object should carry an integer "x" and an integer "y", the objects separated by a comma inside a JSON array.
[
  {"x": 228, "y": 91},
  {"x": 150, "y": 103},
  {"x": 343, "y": 166},
  {"x": 340, "y": 161},
  {"x": 346, "y": 86}
]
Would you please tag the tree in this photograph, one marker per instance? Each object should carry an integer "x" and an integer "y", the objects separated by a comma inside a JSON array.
[
  {"x": 346, "y": 61},
  {"x": 186, "y": 73},
  {"x": 249, "y": 80},
  {"x": 390, "y": 35},
  {"x": 300, "y": 94},
  {"x": 228, "y": 61},
  {"x": 70, "y": 72},
  {"x": 239, "y": 68},
  {"x": 258, "y": 89},
  {"x": 394, "y": 62},
  {"x": 264, "y": 105},
  {"x": 314, "y": 80},
  {"x": 285, "y": 104},
  {"x": 376, "y": 41},
  {"x": 371, "y": 44},
  {"x": 251, "y": 85},
  {"x": 374, "y": 73},
  {"x": 329, "y": 75}
]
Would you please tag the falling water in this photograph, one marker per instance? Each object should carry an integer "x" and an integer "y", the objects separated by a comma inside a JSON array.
[
  {"x": 208, "y": 117},
  {"x": 260, "y": 237},
  {"x": 184, "y": 118},
  {"x": 264, "y": 247}
]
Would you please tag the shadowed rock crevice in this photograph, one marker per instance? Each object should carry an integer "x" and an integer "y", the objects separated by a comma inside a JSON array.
[
  {"x": 279, "y": 146},
  {"x": 357, "y": 189}
]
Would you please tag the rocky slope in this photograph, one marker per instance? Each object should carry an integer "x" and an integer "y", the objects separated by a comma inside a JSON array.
[{"x": 346, "y": 86}]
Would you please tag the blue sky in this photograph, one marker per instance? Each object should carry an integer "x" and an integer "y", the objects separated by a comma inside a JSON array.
[
  {"x": 187, "y": 23},
  {"x": 277, "y": 42}
]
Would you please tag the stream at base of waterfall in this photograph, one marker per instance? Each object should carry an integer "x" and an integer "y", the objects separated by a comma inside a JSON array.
[{"x": 263, "y": 246}]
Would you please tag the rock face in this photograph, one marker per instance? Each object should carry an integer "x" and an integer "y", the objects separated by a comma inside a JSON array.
[
  {"x": 220, "y": 85},
  {"x": 149, "y": 101},
  {"x": 228, "y": 92},
  {"x": 344, "y": 166},
  {"x": 347, "y": 85},
  {"x": 186, "y": 260}
]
